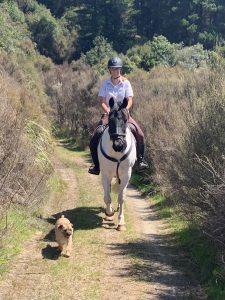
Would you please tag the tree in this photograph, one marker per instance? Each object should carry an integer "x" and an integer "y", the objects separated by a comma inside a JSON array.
[{"x": 99, "y": 54}]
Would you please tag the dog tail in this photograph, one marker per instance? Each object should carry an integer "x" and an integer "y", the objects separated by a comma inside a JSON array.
[{"x": 62, "y": 216}]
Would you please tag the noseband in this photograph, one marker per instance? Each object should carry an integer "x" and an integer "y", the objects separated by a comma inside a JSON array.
[
  {"x": 117, "y": 126},
  {"x": 118, "y": 161}
]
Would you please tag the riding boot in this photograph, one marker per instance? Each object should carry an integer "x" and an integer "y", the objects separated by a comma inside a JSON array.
[
  {"x": 94, "y": 168},
  {"x": 142, "y": 164},
  {"x": 140, "y": 147}
]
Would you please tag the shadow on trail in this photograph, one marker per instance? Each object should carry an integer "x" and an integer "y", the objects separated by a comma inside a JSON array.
[
  {"x": 70, "y": 144},
  {"x": 159, "y": 261},
  {"x": 50, "y": 252},
  {"x": 82, "y": 218}
]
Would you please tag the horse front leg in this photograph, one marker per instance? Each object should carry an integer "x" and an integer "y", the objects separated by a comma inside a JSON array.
[
  {"x": 122, "y": 190},
  {"x": 109, "y": 211}
]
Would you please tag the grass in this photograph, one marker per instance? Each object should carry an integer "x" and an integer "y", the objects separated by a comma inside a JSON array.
[
  {"x": 86, "y": 218},
  {"x": 21, "y": 225},
  {"x": 86, "y": 269},
  {"x": 201, "y": 251}
]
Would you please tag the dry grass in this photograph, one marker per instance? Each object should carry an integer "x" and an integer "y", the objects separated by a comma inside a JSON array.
[
  {"x": 24, "y": 144},
  {"x": 73, "y": 92},
  {"x": 182, "y": 113}
]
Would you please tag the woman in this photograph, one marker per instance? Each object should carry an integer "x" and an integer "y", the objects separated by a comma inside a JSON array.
[{"x": 118, "y": 87}]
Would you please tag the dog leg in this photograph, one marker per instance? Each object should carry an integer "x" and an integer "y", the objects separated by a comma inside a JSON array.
[
  {"x": 60, "y": 248},
  {"x": 69, "y": 247}
]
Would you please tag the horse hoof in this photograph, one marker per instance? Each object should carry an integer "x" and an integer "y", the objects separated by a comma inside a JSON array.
[
  {"x": 121, "y": 228},
  {"x": 107, "y": 218},
  {"x": 110, "y": 214}
]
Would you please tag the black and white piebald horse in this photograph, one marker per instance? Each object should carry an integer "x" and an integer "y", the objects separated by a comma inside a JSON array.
[{"x": 117, "y": 155}]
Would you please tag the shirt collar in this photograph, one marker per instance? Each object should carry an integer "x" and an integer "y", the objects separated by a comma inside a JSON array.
[{"x": 110, "y": 81}]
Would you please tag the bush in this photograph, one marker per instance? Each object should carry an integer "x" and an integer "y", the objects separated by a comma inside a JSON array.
[
  {"x": 73, "y": 91},
  {"x": 159, "y": 51},
  {"x": 11, "y": 30},
  {"x": 183, "y": 115},
  {"x": 191, "y": 57},
  {"x": 24, "y": 169}
]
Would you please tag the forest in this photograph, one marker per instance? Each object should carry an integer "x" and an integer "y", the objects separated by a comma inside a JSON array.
[
  {"x": 53, "y": 56},
  {"x": 126, "y": 23}
]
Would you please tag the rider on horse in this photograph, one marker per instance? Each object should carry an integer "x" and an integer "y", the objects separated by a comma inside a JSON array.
[{"x": 118, "y": 87}]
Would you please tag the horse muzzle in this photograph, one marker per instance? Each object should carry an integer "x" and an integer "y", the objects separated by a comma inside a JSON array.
[{"x": 119, "y": 144}]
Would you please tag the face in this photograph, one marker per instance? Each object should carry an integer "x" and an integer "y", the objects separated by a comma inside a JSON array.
[
  {"x": 117, "y": 128},
  {"x": 66, "y": 230},
  {"x": 115, "y": 72}
]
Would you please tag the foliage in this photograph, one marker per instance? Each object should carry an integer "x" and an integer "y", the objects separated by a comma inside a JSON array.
[
  {"x": 25, "y": 164},
  {"x": 160, "y": 51},
  {"x": 52, "y": 40},
  {"x": 191, "y": 57},
  {"x": 10, "y": 33},
  {"x": 152, "y": 53},
  {"x": 73, "y": 93},
  {"x": 182, "y": 114},
  {"x": 126, "y": 22},
  {"x": 98, "y": 56},
  {"x": 22, "y": 172}
]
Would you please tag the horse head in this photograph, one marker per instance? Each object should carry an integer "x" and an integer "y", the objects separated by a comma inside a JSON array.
[{"x": 118, "y": 118}]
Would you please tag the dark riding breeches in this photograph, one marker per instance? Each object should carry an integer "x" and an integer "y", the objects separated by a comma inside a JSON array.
[
  {"x": 94, "y": 143},
  {"x": 139, "y": 136},
  {"x": 135, "y": 129}
]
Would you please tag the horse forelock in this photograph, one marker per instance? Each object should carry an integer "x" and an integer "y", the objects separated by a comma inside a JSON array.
[{"x": 118, "y": 108}]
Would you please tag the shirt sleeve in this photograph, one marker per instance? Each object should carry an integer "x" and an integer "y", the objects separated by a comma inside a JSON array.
[
  {"x": 128, "y": 89},
  {"x": 102, "y": 91}
]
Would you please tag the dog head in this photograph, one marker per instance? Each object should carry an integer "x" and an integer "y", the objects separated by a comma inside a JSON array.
[{"x": 65, "y": 227}]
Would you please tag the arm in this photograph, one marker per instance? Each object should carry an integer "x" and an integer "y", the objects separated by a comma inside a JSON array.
[
  {"x": 130, "y": 102},
  {"x": 103, "y": 104},
  {"x": 129, "y": 94}
]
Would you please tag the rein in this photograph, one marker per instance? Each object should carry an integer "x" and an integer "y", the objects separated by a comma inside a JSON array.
[{"x": 118, "y": 161}]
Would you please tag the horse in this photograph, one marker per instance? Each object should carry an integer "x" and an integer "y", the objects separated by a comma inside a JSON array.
[{"x": 117, "y": 155}]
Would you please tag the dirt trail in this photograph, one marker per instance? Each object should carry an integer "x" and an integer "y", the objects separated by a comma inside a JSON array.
[
  {"x": 148, "y": 266},
  {"x": 28, "y": 277}
]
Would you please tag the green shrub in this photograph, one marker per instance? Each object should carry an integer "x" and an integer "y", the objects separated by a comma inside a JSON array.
[
  {"x": 12, "y": 29},
  {"x": 191, "y": 57},
  {"x": 159, "y": 51},
  {"x": 98, "y": 56}
]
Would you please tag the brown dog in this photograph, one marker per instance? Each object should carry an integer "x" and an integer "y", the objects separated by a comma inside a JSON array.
[{"x": 63, "y": 235}]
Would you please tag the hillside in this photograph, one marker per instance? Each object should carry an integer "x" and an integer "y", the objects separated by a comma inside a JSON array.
[{"x": 52, "y": 59}]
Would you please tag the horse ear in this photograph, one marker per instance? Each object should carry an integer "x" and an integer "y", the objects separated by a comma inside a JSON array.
[
  {"x": 125, "y": 102},
  {"x": 111, "y": 102}
]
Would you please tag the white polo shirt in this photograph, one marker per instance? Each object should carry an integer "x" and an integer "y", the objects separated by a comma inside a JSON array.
[{"x": 120, "y": 91}]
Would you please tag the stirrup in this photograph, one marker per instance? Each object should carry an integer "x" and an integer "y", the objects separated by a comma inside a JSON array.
[
  {"x": 94, "y": 170},
  {"x": 142, "y": 165}
]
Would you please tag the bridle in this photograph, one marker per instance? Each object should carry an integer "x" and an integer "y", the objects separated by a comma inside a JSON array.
[
  {"x": 117, "y": 133},
  {"x": 118, "y": 161}
]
